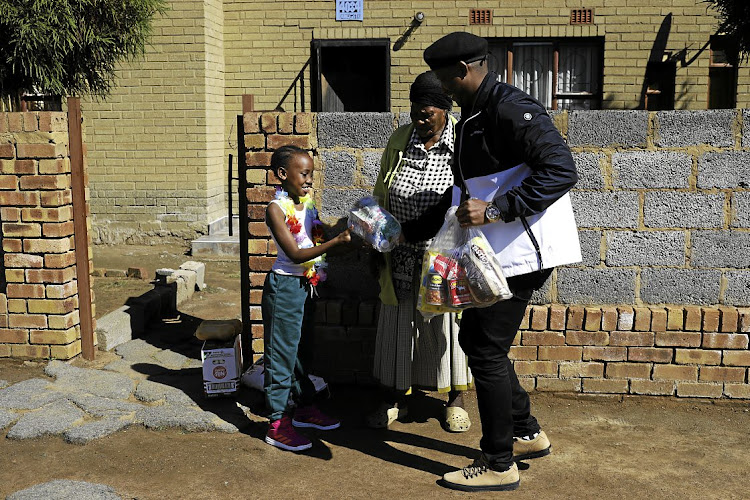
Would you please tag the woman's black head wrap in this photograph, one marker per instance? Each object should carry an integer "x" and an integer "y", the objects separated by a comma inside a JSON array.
[{"x": 427, "y": 90}]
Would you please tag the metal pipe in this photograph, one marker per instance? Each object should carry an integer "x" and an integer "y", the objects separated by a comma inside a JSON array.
[{"x": 229, "y": 195}]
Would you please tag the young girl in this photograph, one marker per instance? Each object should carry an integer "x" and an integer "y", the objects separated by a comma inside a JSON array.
[{"x": 286, "y": 305}]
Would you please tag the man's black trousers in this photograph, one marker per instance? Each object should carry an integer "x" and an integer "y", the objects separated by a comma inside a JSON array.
[{"x": 486, "y": 335}]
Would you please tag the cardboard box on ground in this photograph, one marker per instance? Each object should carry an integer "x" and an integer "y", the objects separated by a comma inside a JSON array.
[{"x": 221, "y": 356}]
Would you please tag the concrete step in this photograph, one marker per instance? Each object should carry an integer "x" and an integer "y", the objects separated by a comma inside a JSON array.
[
  {"x": 220, "y": 225},
  {"x": 216, "y": 244}
]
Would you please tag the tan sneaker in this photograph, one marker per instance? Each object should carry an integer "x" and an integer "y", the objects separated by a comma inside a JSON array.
[
  {"x": 479, "y": 477},
  {"x": 525, "y": 449}
]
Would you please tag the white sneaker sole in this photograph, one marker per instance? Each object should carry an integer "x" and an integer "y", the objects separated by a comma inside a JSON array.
[
  {"x": 315, "y": 426},
  {"x": 464, "y": 487},
  {"x": 286, "y": 447}
]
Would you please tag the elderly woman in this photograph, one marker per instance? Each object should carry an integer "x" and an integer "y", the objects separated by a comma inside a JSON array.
[{"x": 414, "y": 185}]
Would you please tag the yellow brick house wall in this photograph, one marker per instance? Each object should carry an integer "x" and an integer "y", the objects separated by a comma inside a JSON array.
[
  {"x": 214, "y": 67},
  {"x": 268, "y": 43},
  {"x": 158, "y": 145}
]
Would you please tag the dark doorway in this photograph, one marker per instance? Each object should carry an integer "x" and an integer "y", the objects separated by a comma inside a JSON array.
[{"x": 351, "y": 75}]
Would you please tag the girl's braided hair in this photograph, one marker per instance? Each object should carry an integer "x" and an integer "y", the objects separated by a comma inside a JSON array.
[{"x": 280, "y": 158}]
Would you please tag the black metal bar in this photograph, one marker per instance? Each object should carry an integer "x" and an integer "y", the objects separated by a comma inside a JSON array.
[
  {"x": 244, "y": 236},
  {"x": 293, "y": 87},
  {"x": 316, "y": 98},
  {"x": 302, "y": 88},
  {"x": 229, "y": 195}
]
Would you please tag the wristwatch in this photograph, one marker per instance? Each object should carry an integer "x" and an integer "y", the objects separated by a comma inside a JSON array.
[{"x": 492, "y": 213}]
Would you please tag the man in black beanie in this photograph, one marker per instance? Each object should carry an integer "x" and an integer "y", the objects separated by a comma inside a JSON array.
[{"x": 512, "y": 173}]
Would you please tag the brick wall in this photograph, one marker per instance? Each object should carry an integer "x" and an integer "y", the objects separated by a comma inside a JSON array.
[
  {"x": 39, "y": 315},
  {"x": 156, "y": 144},
  {"x": 660, "y": 303},
  {"x": 268, "y": 43},
  {"x": 263, "y": 133}
]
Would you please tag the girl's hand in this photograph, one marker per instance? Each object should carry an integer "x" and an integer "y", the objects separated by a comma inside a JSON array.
[{"x": 343, "y": 237}]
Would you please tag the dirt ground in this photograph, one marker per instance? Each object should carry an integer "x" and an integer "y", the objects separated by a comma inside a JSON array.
[
  {"x": 220, "y": 299},
  {"x": 602, "y": 447}
]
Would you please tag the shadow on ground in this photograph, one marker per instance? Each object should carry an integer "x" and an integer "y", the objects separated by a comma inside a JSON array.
[{"x": 246, "y": 410}]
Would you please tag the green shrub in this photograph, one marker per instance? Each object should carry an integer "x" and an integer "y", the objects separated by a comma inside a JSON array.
[{"x": 70, "y": 47}]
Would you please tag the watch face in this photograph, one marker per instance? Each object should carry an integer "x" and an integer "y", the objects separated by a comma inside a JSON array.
[{"x": 492, "y": 212}]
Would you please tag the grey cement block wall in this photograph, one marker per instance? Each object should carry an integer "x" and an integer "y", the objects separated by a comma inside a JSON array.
[
  {"x": 724, "y": 170},
  {"x": 738, "y": 288},
  {"x": 591, "y": 243},
  {"x": 337, "y": 202},
  {"x": 608, "y": 128},
  {"x": 354, "y": 130},
  {"x": 589, "y": 166},
  {"x": 680, "y": 209},
  {"x": 591, "y": 286},
  {"x": 605, "y": 209},
  {"x": 651, "y": 169},
  {"x": 721, "y": 249},
  {"x": 370, "y": 167},
  {"x": 677, "y": 129},
  {"x": 645, "y": 248},
  {"x": 680, "y": 286},
  {"x": 339, "y": 168},
  {"x": 741, "y": 209},
  {"x": 662, "y": 204}
]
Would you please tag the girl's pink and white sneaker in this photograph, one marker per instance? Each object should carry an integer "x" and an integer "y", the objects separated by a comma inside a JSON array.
[
  {"x": 281, "y": 434},
  {"x": 310, "y": 416}
]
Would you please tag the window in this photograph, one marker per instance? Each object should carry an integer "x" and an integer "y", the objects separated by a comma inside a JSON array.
[
  {"x": 660, "y": 85},
  {"x": 351, "y": 75},
  {"x": 40, "y": 102},
  {"x": 722, "y": 74},
  {"x": 561, "y": 74}
]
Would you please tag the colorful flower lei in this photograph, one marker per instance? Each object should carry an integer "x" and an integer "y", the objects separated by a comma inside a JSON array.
[{"x": 314, "y": 268}]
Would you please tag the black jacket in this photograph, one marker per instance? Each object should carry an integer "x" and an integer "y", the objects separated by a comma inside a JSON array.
[{"x": 505, "y": 128}]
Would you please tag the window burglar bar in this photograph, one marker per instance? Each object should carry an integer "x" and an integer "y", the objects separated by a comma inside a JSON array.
[{"x": 560, "y": 73}]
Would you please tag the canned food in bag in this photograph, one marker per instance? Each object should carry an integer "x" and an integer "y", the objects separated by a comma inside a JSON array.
[{"x": 435, "y": 290}]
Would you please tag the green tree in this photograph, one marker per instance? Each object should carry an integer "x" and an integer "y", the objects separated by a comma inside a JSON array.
[
  {"x": 735, "y": 22},
  {"x": 69, "y": 47}
]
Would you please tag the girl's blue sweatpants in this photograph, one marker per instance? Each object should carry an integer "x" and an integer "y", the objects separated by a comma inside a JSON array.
[{"x": 288, "y": 327}]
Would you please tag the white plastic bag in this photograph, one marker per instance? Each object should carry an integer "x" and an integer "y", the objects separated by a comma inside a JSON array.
[
  {"x": 459, "y": 270},
  {"x": 374, "y": 224},
  {"x": 253, "y": 378}
]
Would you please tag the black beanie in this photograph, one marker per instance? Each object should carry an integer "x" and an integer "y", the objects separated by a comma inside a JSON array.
[{"x": 427, "y": 90}]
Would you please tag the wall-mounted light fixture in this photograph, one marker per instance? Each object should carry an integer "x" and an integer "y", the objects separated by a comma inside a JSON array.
[{"x": 416, "y": 22}]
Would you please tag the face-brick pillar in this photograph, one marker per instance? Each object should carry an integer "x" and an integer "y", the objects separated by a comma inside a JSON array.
[
  {"x": 264, "y": 133},
  {"x": 39, "y": 316}
]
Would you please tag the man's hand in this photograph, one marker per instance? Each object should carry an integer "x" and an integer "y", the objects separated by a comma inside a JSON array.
[{"x": 471, "y": 212}]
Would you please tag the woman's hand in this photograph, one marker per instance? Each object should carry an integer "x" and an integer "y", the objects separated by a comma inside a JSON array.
[{"x": 471, "y": 212}]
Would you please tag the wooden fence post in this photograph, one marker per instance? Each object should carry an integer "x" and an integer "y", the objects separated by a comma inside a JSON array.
[{"x": 80, "y": 226}]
